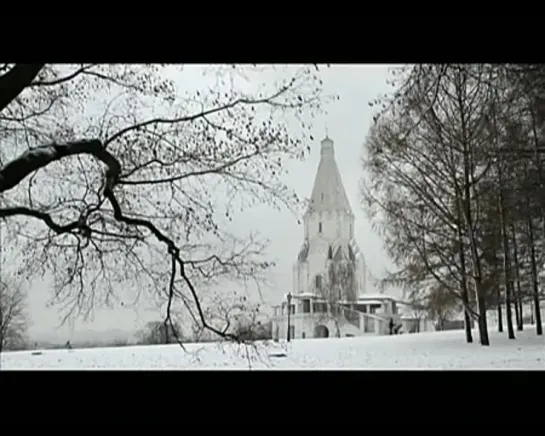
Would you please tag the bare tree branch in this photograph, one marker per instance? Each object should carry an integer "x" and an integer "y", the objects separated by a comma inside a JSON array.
[
  {"x": 142, "y": 184},
  {"x": 15, "y": 81}
]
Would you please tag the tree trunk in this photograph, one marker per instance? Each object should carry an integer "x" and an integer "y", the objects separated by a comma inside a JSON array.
[
  {"x": 499, "y": 299},
  {"x": 521, "y": 307},
  {"x": 518, "y": 293},
  {"x": 166, "y": 332},
  {"x": 535, "y": 284},
  {"x": 467, "y": 327},
  {"x": 517, "y": 312},
  {"x": 478, "y": 276},
  {"x": 483, "y": 327},
  {"x": 500, "y": 314},
  {"x": 535, "y": 294},
  {"x": 465, "y": 292},
  {"x": 466, "y": 199},
  {"x": 506, "y": 264}
]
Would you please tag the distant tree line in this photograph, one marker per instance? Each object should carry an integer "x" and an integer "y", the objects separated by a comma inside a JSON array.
[
  {"x": 13, "y": 315},
  {"x": 235, "y": 316}
]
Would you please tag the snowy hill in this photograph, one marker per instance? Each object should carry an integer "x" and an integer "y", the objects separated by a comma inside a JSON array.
[{"x": 446, "y": 350}]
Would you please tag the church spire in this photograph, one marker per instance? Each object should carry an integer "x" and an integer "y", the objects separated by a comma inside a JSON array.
[{"x": 328, "y": 194}]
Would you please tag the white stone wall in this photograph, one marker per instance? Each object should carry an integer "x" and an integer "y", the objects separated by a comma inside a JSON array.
[
  {"x": 305, "y": 323},
  {"x": 337, "y": 229}
]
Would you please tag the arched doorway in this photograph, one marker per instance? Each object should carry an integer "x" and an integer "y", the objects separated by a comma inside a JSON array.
[{"x": 321, "y": 331}]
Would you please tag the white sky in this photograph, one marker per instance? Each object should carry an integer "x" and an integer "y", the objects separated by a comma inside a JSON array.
[{"x": 348, "y": 121}]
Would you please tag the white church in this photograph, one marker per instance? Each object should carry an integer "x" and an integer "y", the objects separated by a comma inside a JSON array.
[{"x": 329, "y": 296}]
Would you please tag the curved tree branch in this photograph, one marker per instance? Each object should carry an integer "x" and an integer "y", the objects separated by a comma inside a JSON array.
[
  {"x": 18, "y": 169},
  {"x": 45, "y": 217},
  {"x": 15, "y": 81},
  {"x": 15, "y": 171},
  {"x": 42, "y": 80}
]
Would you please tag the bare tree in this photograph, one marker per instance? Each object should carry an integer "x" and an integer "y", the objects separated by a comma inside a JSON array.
[
  {"x": 338, "y": 290},
  {"x": 112, "y": 177},
  {"x": 434, "y": 145},
  {"x": 159, "y": 332},
  {"x": 418, "y": 311},
  {"x": 455, "y": 183},
  {"x": 441, "y": 306},
  {"x": 236, "y": 315},
  {"x": 253, "y": 326},
  {"x": 13, "y": 315}
]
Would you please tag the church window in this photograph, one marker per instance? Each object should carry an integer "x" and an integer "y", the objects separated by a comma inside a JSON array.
[
  {"x": 319, "y": 227},
  {"x": 306, "y": 306},
  {"x": 292, "y": 331},
  {"x": 330, "y": 253}
]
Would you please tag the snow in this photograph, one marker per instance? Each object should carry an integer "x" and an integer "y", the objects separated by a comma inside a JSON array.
[
  {"x": 305, "y": 295},
  {"x": 370, "y": 301},
  {"x": 438, "y": 350},
  {"x": 364, "y": 297}
]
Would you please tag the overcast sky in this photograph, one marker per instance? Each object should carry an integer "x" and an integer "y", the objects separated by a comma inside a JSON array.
[{"x": 348, "y": 121}]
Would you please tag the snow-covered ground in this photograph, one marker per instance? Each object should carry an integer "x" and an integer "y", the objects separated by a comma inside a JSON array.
[{"x": 425, "y": 350}]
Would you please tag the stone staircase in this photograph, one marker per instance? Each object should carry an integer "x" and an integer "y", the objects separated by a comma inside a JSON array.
[{"x": 366, "y": 323}]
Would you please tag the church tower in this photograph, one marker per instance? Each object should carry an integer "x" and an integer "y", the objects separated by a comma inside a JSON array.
[{"x": 328, "y": 232}]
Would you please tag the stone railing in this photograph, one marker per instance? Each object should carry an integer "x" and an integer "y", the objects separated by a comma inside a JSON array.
[{"x": 366, "y": 322}]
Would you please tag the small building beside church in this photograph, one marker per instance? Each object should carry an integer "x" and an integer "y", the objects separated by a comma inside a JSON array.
[{"x": 329, "y": 296}]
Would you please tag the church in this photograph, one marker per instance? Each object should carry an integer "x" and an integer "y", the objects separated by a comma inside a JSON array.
[{"x": 329, "y": 296}]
